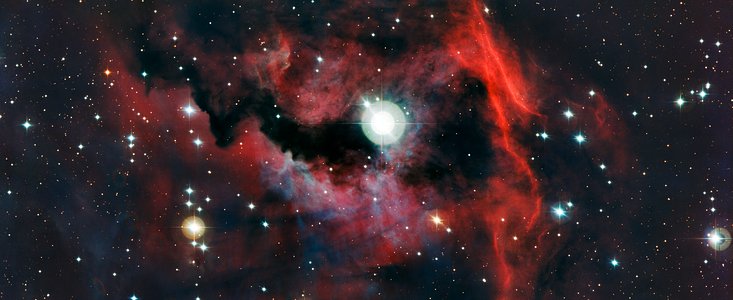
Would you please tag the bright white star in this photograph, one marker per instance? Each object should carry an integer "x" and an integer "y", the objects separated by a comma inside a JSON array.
[
  {"x": 702, "y": 94},
  {"x": 680, "y": 101},
  {"x": 579, "y": 138},
  {"x": 559, "y": 212},
  {"x": 383, "y": 122},
  {"x": 189, "y": 110},
  {"x": 568, "y": 114}
]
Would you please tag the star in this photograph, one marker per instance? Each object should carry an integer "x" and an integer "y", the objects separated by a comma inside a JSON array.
[
  {"x": 188, "y": 109},
  {"x": 579, "y": 138},
  {"x": 592, "y": 93},
  {"x": 27, "y": 124},
  {"x": 193, "y": 227},
  {"x": 568, "y": 114},
  {"x": 78, "y": 259},
  {"x": 319, "y": 59},
  {"x": 189, "y": 190},
  {"x": 133, "y": 297},
  {"x": 144, "y": 74},
  {"x": 680, "y": 102},
  {"x": 203, "y": 247},
  {"x": 130, "y": 138},
  {"x": 603, "y": 166},
  {"x": 559, "y": 211},
  {"x": 251, "y": 206},
  {"x": 97, "y": 117},
  {"x": 437, "y": 220},
  {"x": 198, "y": 142},
  {"x": 614, "y": 263},
  {"x": 80, "y": 146},
  {"x": 544, "y": 135},
  {"x": 702, "y": 94},
  {"x": 382, "y": 123},
  {"x": 265, "y": 224}
]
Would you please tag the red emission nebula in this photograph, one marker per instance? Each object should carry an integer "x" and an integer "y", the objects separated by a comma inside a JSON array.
[{"x": 259, "y": 115}]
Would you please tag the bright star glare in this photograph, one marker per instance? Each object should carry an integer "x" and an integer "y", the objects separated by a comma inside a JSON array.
[
  {"x": 580, "y": 138},
  {"x": 719, "y": 239},
  {"x": 383, "y": 122}
]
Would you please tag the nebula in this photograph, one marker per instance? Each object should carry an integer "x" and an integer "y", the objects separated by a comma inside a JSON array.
[{"x": 322, "y": 211}]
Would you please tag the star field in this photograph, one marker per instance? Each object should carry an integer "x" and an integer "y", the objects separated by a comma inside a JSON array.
[{"x": 348, "y": 150}]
